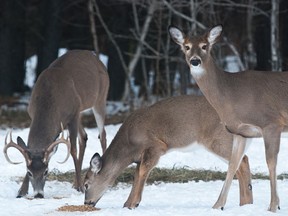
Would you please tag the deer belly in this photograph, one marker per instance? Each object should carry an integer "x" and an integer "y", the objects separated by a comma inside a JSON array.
[{"x": 188, "y": 148}]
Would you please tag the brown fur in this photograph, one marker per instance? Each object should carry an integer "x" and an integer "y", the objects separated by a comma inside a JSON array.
[
  {"x": 149, "y": 133},
  {"x": 249, "y": 103},
  {"x": 72, "y": 83}
]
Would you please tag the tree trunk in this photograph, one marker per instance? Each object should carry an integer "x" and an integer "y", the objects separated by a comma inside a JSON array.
[
  {"x": 51, "y": 33},
  {"x": 275, "y": 47},
  {"x": 249, "y": 53},
  {"x": 12, "y": 46}
]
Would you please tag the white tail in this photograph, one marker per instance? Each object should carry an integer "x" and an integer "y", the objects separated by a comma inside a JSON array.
[
  {"x": 249, "y": 103},
  {"x": 74, "y": 82},
  {"x": 149, "y": 133}
]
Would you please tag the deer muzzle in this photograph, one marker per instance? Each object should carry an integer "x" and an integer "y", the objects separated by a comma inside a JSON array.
[{"x": 195, "y": 62}]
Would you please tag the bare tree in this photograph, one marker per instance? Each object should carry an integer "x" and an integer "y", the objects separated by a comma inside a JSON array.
[
  {"x": 275, "y": 46},
  {"x": 143, "y": 33},
  {"x": 148, "y": 40},
  {"x": 93, "y": 27},
  {"x": 250, "y": 54}
]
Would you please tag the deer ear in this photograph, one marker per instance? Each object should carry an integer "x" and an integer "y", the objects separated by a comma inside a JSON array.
[
  {"x": 177, "y": 35},
  {"x": 214, "y": 34},
  {"x": 96, "y": 163}
]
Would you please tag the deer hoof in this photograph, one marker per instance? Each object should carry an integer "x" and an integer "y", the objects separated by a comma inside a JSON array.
[
  {"x": 274, "y": 209},
  {"x": 218, "y": 206},
  {"x": 39, "y": 195},
  {"x": 130, "y": 206}
]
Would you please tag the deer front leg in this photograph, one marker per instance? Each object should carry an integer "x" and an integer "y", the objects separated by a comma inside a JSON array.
[
  {"x": 73, "y": 129},
  {"x": 239, "y": 144},
  {"x": 23, "y": 191},
  {"x": 271, "y": 137},
  {"x": 149, "y": 159},
  {"x": 245, "y": 186}
]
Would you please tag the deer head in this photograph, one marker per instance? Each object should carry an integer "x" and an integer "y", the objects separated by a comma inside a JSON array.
[
  {"x": 94, "y": 184},
  {"x": 196, "y": 49},
  {"x": 36, "y": 160}
]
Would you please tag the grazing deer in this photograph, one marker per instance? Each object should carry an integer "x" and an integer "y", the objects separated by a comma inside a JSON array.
[
  {"x": 249, "y": 103},
  {"x": 74, "y": 82},
  {"x": 148, "y": 133}
]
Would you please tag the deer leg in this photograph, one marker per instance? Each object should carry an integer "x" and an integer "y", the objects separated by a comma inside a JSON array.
[
  {"x": 149, "y": 159},
  {"x": 73, "y": 129},
  {"x": 245, "y": 186},
  {"x": 23, "y": 191},
  {"x": 220, "y": 148},
  {"x": 272, "y": 141},
  {"x": 238, "y": 149},
  {"x": 99, "y": 111},
  {"x": 82, "y": 144}
]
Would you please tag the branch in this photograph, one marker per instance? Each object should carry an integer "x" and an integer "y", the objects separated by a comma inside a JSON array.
[
  {"x": 93, "y": 27},
  {"x": 170, "y": 7},
  {"x": 234, "y": 50},
  {"x": 110, "y": 37},
  {"x": 143, "y": 33}
]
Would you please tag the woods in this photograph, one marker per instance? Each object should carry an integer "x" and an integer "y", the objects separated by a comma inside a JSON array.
[{"x": 142, "y": 60}]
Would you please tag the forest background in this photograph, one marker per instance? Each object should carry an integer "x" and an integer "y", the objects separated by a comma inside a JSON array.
[{"x": 142, "y": 60}]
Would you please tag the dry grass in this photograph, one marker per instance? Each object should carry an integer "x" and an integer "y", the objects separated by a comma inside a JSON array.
[{"x": 179, "y": 175}]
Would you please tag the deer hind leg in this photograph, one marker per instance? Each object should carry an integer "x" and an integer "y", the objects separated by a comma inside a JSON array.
[
  {"x": 82, "y": 144},
  {"x": 149, "y": 159},
  {"x": 272, "y": 141},
  {"x": 73, "y": 129},
  {"x": 23, "y": 191},
  {"x": 239, "y": 144},
  {"x": 245, "y": 186},
  {"x": 99, "y": 111}
]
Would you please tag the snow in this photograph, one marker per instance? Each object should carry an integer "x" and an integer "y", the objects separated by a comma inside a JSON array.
[{"x": 192, "y": 198}]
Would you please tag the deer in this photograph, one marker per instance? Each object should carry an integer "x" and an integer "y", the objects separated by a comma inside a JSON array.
[
  {"x": 249, "y": 103},
  {"x": 74, "y": 82},
  {"x": 175, "y": 123}
]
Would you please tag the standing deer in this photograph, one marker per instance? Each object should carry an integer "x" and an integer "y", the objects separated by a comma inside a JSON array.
[
  {"x": 74, "y": 82},
  {"x": 148, "y": 133},
  {"x": 249, "y": 103}
]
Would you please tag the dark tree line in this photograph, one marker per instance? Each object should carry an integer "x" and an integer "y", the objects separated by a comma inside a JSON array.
[{"x": 133, "y": 34}]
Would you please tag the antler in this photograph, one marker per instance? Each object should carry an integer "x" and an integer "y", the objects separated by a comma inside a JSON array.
[
  {"x": 13, "y": 144},
  {"x": 57, "y": 142}
]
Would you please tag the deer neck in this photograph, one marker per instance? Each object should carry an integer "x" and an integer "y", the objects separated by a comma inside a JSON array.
[
  {"x": 212, "y": 83},
  {"x": 115, "y": 160},
  {"x": 42, "y": 132}
]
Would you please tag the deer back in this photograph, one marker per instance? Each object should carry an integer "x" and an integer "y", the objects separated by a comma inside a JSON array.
[
  {"x": 72, "y": 83},
  {"x": 173, "y": 123}
]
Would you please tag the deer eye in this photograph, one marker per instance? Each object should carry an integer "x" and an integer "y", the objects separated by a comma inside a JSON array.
[
  {"x": 204, "y": 47},
  {"x": 187, "y": 48}
]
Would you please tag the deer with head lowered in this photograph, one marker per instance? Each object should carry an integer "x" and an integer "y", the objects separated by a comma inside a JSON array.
[
  {"x": 148, "y": 133},
  {"x": 249, "y": 103},
  {"x": 71, "y": 84}
]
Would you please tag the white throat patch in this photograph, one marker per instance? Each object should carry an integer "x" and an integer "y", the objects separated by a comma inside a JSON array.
[{"x": 197, "y": 71}]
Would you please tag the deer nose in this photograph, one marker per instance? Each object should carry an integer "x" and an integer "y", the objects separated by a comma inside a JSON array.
[
  {"x": 39, "y": 195},
  {"x": 195, "y": 61},
  {"x": 90, "y": 203}
]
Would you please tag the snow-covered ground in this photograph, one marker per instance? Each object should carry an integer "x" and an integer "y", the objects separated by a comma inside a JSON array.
[{"x": 192, "y": 198}]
